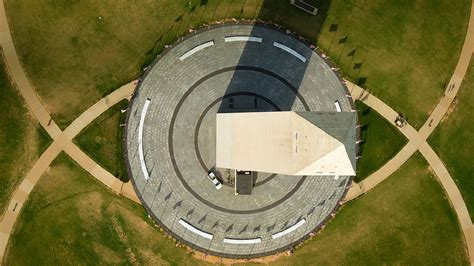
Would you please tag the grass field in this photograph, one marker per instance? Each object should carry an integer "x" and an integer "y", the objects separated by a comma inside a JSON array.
[
  {"x": 453, "y": 140},
  {"x": 75, "y": 52},
  {"x": 102, "y": 140},
  {"x": 406, "y": 220},
  {"x": 71, "y": 219},
  {"x": 22, "y": 140},
  {"x": 408, "y": 48},
  {"x": 381, "y": 141}
]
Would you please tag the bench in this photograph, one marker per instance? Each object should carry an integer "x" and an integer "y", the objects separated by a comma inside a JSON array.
[
  {"x": 194, "y": 229},
  {"x": 242, "y": 39},
  {"x": 196, "y": 49},
  {"x": 242, "y": 241},
  {"x": 304, "y": 6},
  {"x": 290, "y": 51},
  {"x": 140, "y": 139},
  {"x": 289, "y": 229}
]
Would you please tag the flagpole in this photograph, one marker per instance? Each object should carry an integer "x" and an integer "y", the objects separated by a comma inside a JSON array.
[
  {"x": 352, "y": 59},
  {"x": 330, "y": 44},
  {"x": 343, "y": 48},
  {"x": 332, "y": 28}
]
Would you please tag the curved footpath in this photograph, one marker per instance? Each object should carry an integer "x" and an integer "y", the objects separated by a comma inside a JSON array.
[
  {"x": 62, "y": 140},
  {"x": 418, "y": 140},
  {"x": 20, "y": 79}
]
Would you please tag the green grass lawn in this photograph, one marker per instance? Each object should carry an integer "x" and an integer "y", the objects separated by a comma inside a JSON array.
[
  {"x": 102, "y": 140},
  {"x": 406, "y": 220},
  {"x": 381, "y": 141},
  {"x": 75, "y": 52},
  {"x": 408, "y": 48},
  {"x": 453, "y": 140},
  {"x": 72, "y": 219},
  {"x": 22, "y": 139}
]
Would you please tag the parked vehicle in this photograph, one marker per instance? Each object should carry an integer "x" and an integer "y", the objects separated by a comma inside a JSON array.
[{"x": 212, "y": 176}]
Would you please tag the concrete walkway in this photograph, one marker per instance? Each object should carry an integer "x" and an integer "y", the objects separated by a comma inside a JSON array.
[
  {"x": 383, "y": 109},
  {"x": 21, "y": 194},
  {"x": 20, "y": 80},
  {"x": 63, "y": 140},
  {"x": 382, "y": 173},
  {"x": 98, "y": 108},
  {"x": 418, "y": 140}
]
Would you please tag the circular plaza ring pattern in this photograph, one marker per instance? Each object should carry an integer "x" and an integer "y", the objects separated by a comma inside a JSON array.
[{"x": 171, "y": 139}]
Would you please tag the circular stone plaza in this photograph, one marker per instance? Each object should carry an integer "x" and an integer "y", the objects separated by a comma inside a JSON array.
[{"x": 221, "y": 101}]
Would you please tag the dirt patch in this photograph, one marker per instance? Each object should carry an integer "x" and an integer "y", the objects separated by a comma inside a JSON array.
[
  {"x": 151, "y": 258},
  {"x": 124, "y": 239},
  {"x": 116, "y": 208},
  {"x": 89, "y": 208},
  {"x": 106, "y": 253},
  {"x": 450, "y": 110},
  {"x": 217, "y": 260},
  {"x": 143, "y": 233},
  {"x": 146, "y": 231}
]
